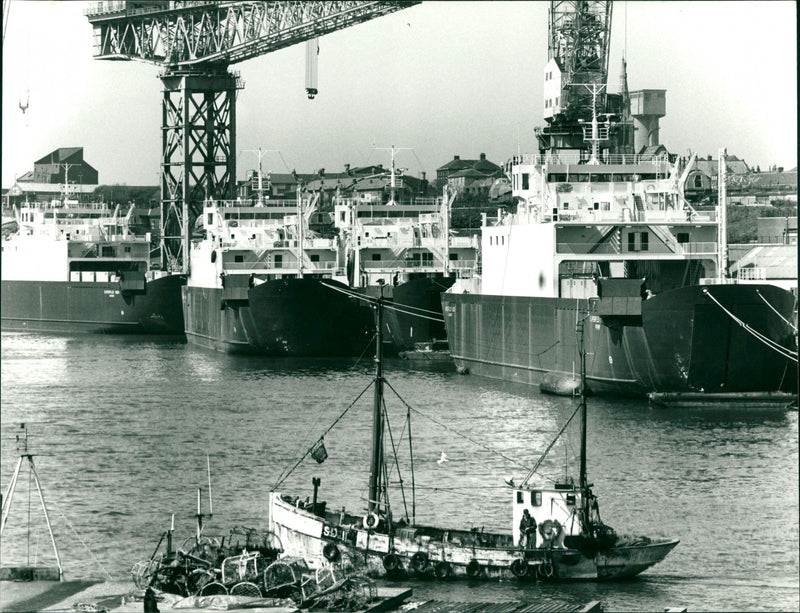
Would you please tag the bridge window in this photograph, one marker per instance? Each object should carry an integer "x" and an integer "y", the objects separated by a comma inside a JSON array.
[
  {"x": 210, "y": 219},
  {"x": 683, "y": 238},
  {"x": 631, "y": 241},
  {"x": 238, "y": 258},
  {"x": 525, "y": 180},
  {"x": 107, "y": 252},
  {"x": 376, "y": 257},
  {"x": 314, "y": 257},
  {"x": 278, "y": 261},
  {"x": 645, "y": 237},
  {"x": 453, "y": 257},
  {"x": 536, "y": 498}
]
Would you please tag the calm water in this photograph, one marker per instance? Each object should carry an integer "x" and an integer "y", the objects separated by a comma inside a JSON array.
[{"x": 122, "y": 427}]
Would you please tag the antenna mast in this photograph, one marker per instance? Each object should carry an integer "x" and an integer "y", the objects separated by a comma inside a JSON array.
[
  {"x": 376, "y": 465},
  {"x": 22, "y": 448}
]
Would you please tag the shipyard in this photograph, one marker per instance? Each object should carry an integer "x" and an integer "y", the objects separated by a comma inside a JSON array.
[{"x": 399, "y": 306}]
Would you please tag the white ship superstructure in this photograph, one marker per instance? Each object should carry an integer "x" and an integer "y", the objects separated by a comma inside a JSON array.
[{"x": 576, "y": 221}]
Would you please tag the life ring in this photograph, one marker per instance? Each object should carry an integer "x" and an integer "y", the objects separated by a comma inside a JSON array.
[
  {"x": 519, "y": 567},
  {"x": 545, "y": 570},
  {"x": 331, "y": 552},
  {"x": 419, "y": 561},
  {"x": 391, "y": 562},
  {"x": 371, "y": 521},
  {"x": 443, "y": 570},
  {"x": 651, "y": 188},
  {"x": 550, "y": 529},
  {"x": 474, "y": 568}
]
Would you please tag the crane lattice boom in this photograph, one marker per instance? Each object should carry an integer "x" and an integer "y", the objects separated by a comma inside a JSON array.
[{"x": 185, "y": 34}]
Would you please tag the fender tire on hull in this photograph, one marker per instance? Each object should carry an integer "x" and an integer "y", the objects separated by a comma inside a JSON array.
[
  {"x": 474, "y": 569},
  {"x": 331, "y": 552},
  {"x": 443, "y": 570},
  {"x": 520, "y": 568},
  {"x": 391, "y": 562},
  {"x": 419, "y": 561}
]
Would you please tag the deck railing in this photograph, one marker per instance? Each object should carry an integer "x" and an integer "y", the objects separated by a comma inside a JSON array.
[{"x": 695, "y": 248}]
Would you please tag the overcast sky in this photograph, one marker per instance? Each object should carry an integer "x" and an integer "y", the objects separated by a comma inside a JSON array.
[{"x": 443, "y": 78}]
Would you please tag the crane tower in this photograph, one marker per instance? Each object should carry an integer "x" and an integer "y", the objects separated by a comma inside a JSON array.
[
  {"x": 195, "y": 42},
  {"x": 578, "y": 48}
]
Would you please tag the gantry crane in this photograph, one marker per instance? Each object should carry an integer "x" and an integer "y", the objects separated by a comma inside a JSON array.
[
  {"x": 195, "y": 43},
  {"x": 576, "y": 73}
]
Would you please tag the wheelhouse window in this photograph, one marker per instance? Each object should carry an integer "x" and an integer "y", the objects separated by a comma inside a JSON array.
[
  {"x": 525, "y": 180},
  {"x": 536, "y": 498},
  {"x": 645, "y": 238}
]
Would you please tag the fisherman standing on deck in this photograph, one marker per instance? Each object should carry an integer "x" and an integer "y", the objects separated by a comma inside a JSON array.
[{"x": 527, "y": 530}]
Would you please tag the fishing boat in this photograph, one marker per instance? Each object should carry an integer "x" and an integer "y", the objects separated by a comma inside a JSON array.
[
  {"x": 77, "y": 267},
  {"x": 571, "y": 541},
  {"x": 260, "y": 282}
]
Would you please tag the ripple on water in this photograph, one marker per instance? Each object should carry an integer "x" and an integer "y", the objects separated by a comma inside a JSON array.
[{"x": 123, "y": 429}]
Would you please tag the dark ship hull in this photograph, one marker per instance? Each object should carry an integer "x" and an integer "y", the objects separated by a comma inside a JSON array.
[
  {"x": 682, "y": 341},
  {"x": 414, "y": 325},
  {"x": 306, "y": 318},
  {"x": 213, "y": 320},
  {"x": 133, "y": 307}
]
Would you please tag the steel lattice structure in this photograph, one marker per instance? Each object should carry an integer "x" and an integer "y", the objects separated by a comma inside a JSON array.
[
  {"x": 579, "y": 39},
  {"x": 195, "y": 42}
]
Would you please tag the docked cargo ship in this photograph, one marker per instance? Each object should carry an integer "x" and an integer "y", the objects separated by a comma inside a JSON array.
[
  {"x": 410, "y": 251},
  {"x": 72, "y": 267},
  {"x": 614, "y": 240},
  {"x": 260, "y": 282},
  {"x": 602, "y": 231}
]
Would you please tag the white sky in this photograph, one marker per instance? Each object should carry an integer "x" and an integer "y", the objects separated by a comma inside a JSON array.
[{"x": 444, "y": 78}]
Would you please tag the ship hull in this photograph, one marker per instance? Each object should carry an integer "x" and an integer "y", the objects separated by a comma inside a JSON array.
[
  {"x": 447, "y": 554},
  {"x": 421, "y": 304},
  {"x": 306, "y": 317},
  {"x": 103, "y": 308},
  {"x": 213, "y": 322},
  {"x": 683, "y": 341}
]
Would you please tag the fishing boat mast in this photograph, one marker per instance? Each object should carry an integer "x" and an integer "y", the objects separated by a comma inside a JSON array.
[
  {"x": 376, "y": 464},
  {"x": 584, "y": 485}
]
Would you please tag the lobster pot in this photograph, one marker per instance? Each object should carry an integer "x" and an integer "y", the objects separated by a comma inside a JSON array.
[{"x": 245, "y": 567}]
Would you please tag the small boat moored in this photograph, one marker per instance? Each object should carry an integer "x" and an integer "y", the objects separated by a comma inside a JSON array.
[{"x": 557, "y": 533}]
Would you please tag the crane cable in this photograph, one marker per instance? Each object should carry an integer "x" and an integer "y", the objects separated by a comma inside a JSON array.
[{"x": 784, "y": 351}]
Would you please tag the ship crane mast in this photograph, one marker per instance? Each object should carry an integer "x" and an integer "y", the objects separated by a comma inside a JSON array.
[{"x": 194, "y": 43}]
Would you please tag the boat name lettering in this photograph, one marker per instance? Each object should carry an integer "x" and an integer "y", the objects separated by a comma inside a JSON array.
[{"x": 111, "y": 292}]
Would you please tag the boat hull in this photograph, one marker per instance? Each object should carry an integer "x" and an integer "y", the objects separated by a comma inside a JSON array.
[
  {"x": 213, "y": 322},
  {"x": 323, "y": 541},
  {"x": 421, "y": 302},
  {"x": 683, "y": 341},
  {"x": 93, "y": 307},
  {"x": 306, "y": 318}
]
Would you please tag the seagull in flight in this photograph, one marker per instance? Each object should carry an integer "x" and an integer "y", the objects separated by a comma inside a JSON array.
[{"x": 443, "y": 459}]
